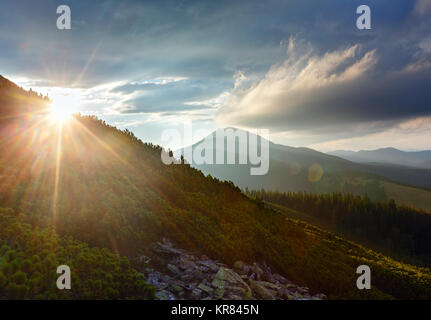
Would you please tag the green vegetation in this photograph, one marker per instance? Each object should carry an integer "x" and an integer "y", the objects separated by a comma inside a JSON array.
[
  {"x": 398, "y": 231},
  {"x": 29, "y": 258},
  {"x": 106, "y": 189},
  {"x": 408, "y": 196}
]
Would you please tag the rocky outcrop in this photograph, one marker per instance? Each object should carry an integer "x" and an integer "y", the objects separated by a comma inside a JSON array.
[{"x": 177, "y": 274}]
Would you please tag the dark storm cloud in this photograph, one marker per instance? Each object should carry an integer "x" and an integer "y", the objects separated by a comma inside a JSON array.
[
  {"x": 331, "y": 91},
  {"x": 367, "y": 85},
  {"x": 207, "y": 42}
]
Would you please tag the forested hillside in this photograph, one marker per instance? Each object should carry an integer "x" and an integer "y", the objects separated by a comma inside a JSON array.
[
  {"x": 81, "y": 186},
  {"x": 398, "y": 231}
]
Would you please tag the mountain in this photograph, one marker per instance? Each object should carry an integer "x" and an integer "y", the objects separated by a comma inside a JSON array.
[
  {"x": 304, "y": 169},
  {"x": 85, "y": 194},
  {"x": 426, "y": 164},
  {"x": 386, "y": 155}
]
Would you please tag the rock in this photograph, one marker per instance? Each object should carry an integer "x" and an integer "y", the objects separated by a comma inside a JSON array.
[
  {"x": 269, "y": 285},
  {"x": 226, "y": 275},
  {"x": 261, "y": 291},
  {"x": 204, "y": 269},
  {"x": 228, "y": 279},
  {"x": 257, "y": 269},
  {"x": 246, "y": 269},
  {"x": 192, "y": 286},
  {"x": 196, "y": 293},
  {"x": 219, "y": 293},
  {"x": 173, "y": 269},
  {"x": 177, "y": 288},
  {"x": 241, "y": 292},
  {"x": 209, "y": 264},
  {"x": 197, "y": 274},
  {"x": 280, "y": 279},
  {"x": 190, "y": 257},
  {"x": 186, "y": 264},
  {"x": 268, "y": 277},
  {"x": 205, "y": 288},
  {"x": 283, "y": 293},
  {"x": 164, "y": 295},
  {"x": 153, "y": 278},
  {"x": 144, "y": 260},
  {"x": 319, "y": 296},
  {"x": 188, "y": 277},
  {"x": 166, "y": 248},
  {"x": 303, "y": 290}
]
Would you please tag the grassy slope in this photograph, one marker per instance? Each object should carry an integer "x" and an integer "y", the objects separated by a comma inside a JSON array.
[
  {"x": 408, "y": 196},
  {"x": 114, "y": 192}
]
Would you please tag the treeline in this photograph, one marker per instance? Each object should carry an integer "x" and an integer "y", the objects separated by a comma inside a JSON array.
[
  {"x": 399, "y": 231},
  {"x": 17, "y": 103}
]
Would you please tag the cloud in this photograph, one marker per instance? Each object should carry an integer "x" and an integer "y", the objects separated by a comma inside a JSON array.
[
  {"x": 337, "y": 81},
  {"x": 422, "y": 7},
  {"x": 409, "y": 135},
  {"x": 169, "y": 94},
  {"x": 330, "y": 93}
]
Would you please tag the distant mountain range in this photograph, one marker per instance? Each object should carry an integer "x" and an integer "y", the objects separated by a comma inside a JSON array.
[
  {"x": 421, "y": 159},
  {"x": 304, "y": 169}
]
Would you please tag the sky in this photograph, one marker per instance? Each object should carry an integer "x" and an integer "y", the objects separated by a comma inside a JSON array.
[{"x": 301, "y": 69}]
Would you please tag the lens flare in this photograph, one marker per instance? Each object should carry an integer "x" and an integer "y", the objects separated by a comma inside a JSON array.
[{"x": 62, "y": 108}]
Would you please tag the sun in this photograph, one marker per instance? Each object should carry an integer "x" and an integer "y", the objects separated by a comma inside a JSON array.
[{"x": 62, "y": 108}]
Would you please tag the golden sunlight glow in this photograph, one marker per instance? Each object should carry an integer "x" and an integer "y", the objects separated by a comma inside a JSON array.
[{"x": 62, "y": 108}]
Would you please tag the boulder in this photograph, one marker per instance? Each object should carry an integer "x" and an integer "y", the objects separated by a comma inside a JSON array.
[
  {"x": 209, "y": 264},
  {"x": 269, "y": 285},
  {"x": 177, "y": 288},
  {"x": 219, "y": 293},
  {"x": 228, "y": 279},
  {"x": 164, "y": 295},
  {"x": 205, "y": 288},
  {"x": 185, "y": 264},
  {"x": 197, "y": 293},
  {"x": 144, "y": 260},
  {"x": 173, "y": 269},
  {"x": 261, "y": 291}
]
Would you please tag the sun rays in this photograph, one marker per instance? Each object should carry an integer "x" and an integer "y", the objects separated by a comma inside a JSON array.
[{"x": 63, "y": 106}]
